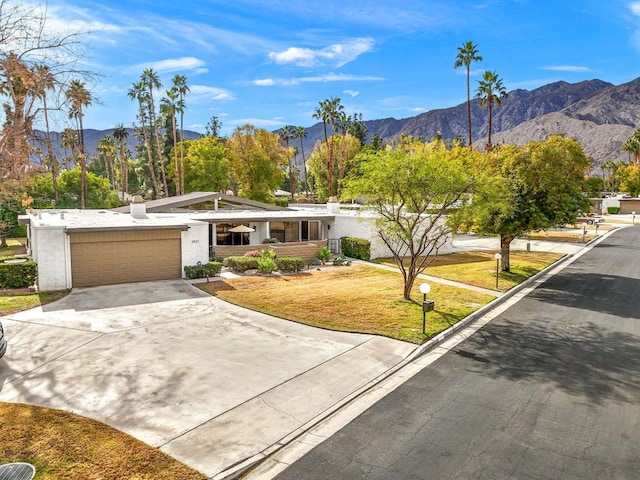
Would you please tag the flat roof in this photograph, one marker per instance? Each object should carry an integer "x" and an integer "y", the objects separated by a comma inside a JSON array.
[{"x": 194, "y": 198}]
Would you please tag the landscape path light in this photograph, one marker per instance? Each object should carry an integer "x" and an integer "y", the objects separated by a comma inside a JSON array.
[
  {"x": 633, "y": 217},
  {"x": 427, "y": 305},
  {"x": 498, "y": 257}
]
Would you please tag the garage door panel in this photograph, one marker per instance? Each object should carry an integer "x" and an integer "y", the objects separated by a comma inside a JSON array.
[{"x": 98, "y": 259}]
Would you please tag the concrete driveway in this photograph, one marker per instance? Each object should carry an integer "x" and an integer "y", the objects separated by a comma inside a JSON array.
[{"x": 214, "y": 385}]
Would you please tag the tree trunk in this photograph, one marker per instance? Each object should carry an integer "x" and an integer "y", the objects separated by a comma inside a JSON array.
[
  {"x": 489, "y": 146},
  {"x": 505, "y": 242},
  {"x": 469, "y": 109}
]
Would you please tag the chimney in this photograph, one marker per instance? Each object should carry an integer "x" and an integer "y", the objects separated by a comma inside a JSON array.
[{"x": 137, "y": 208}]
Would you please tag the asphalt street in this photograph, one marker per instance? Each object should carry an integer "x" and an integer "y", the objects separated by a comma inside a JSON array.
[{"x": 550, "y": 389}]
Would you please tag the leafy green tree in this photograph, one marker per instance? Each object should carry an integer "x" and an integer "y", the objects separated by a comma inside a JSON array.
[
  {"x": 206, "y": 165},
  {"x": 629, "y": 178},
  {"x": 491, "y": 92},
  {"x": 528, "y": 188},
  {"x": 257, "y": 162},
  {"x": 594, "y": 185},
  {"x": 345, "y": 162},
  {"x": 99, "y": 191},
  {"x": 411, "y": 190},
  {"x": 468, "y": 53}
]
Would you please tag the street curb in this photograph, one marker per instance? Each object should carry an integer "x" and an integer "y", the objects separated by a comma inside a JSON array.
[{"x": 237, "y": 471}]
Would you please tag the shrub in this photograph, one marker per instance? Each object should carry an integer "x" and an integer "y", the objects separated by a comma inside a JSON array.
[
  {"x": 340, "y": 260},
  {"x": 356, "y": 247},
  {"x": 282, "y": 201},
  {"x": 290, "y": 264},
  {"x": 206, "y": 270},
  {"x": 17, "y": 275},
  {"x": 613, "y": 210},
  {"x": 270, "y": 240},
  {"x": 324, "y": 254},
  {"x": 267, "y": 261},
  {"x": 241, "y": 264}
]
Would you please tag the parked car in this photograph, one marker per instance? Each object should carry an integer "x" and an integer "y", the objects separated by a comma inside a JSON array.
[
  {"x": 589, "y": 219},
  {"x": 3, "y": 342}
]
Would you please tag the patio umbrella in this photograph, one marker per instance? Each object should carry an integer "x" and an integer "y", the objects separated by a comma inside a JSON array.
[{"x": 242, "y": 229}]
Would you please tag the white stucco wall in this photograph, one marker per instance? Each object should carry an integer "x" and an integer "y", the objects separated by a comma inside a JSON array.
[
  {"x": 195, "y": 244},
  {"x": 51, "y": 250},
  {"x": 363, "y": 226}
]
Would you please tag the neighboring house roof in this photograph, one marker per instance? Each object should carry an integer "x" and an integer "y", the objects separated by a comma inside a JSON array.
[{"x": 180, "y": 201}]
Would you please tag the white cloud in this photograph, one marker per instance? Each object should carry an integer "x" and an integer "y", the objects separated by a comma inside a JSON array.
[
  {"x": 352, "y": 93},
  {"x": 257, "y": 122},
  {"x": 635, "y": 8},
  {"x": 567, "y": 68},
  {"x": 265, "y": 82},
  {"x": 174, "y": 65},
  {"x": 326, "y": 78},
  {"x": 417, "y": 109},
  {"x": 205, "y": 93},
  {"x": 338, "y": 54}
]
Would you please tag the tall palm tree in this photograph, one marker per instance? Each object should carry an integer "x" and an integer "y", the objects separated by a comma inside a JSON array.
[
  {"x": 138, "y": 92},
  {"x": 468, "y": 53},
  {"x": 287, "y": 133},
  {"x": 329, "y": 111},
  {"x": 169, "y": 107},
  {"x": 491, "y": 92},
  {"x": 69, "y": 141},
  {"x": 301, "y": 134},
  {"x": 152, "y": 82},
  {"x": 107, "y": 148},
  {"x": 80, "y": 97},
  {"x": 120, "y": 135},
  {"x": 180, "y": 84},
  {"x": 46, "y": 81}
]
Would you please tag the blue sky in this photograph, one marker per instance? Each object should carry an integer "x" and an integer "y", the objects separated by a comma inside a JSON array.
[{"x": 269, "y": 62}]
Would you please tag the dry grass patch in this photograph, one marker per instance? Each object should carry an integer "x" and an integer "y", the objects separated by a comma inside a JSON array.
[
  {"x": 62, "y": 445},
  {"x": 15, "y": 247},
  {"x": 13, "y": 301},
  {"x": 479, "y": 268},
  {"x": 357, "y": 298}
]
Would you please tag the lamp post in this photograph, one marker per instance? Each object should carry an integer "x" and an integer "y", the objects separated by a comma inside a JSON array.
[
  {"x": 427, "y": 305},
  {"x": 498, "y": 257}
]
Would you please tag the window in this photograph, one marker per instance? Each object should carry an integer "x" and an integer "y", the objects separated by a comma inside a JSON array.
[
  {"x": 225, "y": 237},
  {"x": 310, "y": 230},
  {"x": 285, "y": 231}
]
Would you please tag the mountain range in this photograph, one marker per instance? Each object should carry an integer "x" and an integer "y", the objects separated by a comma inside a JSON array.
[{"x": 600, "y": 115}]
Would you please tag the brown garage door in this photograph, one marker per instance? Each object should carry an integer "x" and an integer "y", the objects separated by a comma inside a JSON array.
[{"x": 122, "y": 257}]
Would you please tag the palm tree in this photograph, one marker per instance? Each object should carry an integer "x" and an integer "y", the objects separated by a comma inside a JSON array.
[
  {"x": 107, "y": 148},
  {"x": 80, "y": 97},
  {"x": 180, "y": 84},
  {"x": 329, "y": 111},
  {"x": 468, "y": 53},
  {"x": 632, "y": 145},
  {"x": 301, "y": 134},
  {"x": 491, "y": 92},
  {"x": 138, "y": 92},
  {"x": 152, "y": 82},
  {"x": 46, "y": 81},
  {"x": 120, "y": 135},
  {"x": 287, "y": 133},
  {"x": 168, "y": 107},
  {"x": 69, "y": 140}
]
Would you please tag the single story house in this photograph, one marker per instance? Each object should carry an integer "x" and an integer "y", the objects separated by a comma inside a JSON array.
[{"x": 155, "y": 240}]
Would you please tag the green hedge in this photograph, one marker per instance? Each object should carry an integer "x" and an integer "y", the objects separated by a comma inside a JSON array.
[
  {"x": 613, "y": 210},
  {"x": 241, "y": 264},
  {"x": 203, "y": 270},
  {"x": 18, "y": 275},
  {"x": 355, "y": 247},
  {"x": 291, "y": 264}
]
